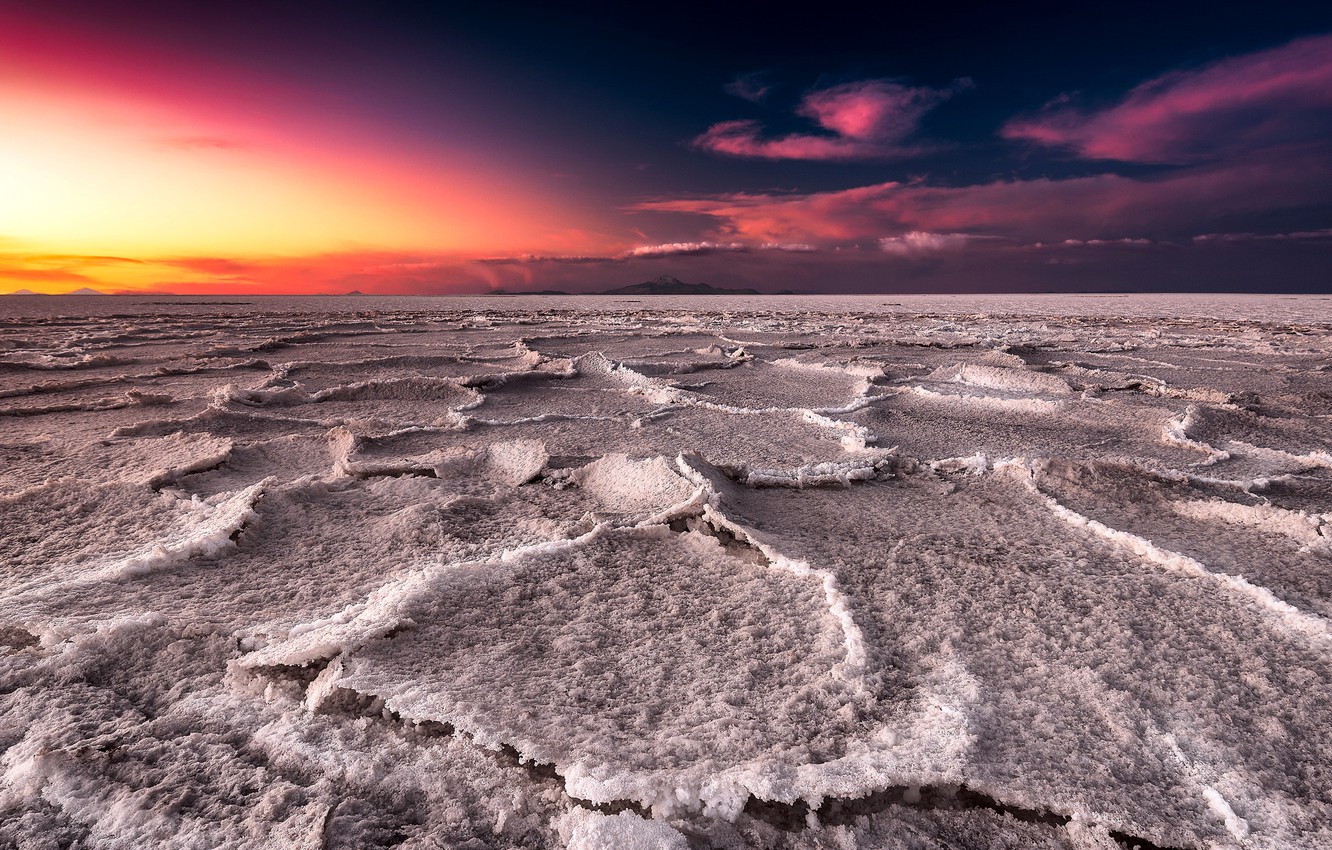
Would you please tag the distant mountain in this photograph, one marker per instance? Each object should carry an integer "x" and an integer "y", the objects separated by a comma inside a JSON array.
[
  {"x": 85, "y": 291},
  {"x": 25, "y": 292},
  {"x": 667, "y": 285}
]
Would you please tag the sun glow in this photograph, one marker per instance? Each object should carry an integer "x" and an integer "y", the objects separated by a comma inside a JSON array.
[{"x": 110, "y": 154}]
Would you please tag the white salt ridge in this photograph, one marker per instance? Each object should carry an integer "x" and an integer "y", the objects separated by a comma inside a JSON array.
[
  {"x": 1282, "y": 461},
  {"x": 1021, "y": 381},
  {"x": 1176, "y": 432},
  {"x": 684, "y": 361},
  {"x": 178, "y": 445},
  {"x": 515, "y": 462},
  {"x": 385, "y": 610},
  {"x": 220, "y": 417},
  {"x": 82, "y": 361},
  {"x": 1312, "y": 531},
  {"x": 1040, "y": 406},
  {"x": 705, "y": 475},
  {"x": 1203, "y": 776},
  {"x": 520, "y": 351},
  {"x": 467, "y": 421},
  {"x": 1155, "y": 385},
  {"x": 399, "y": 389},
  {"x": 535, "y": 366},
  {"x": 509, "y": 463},
  {"x": 926, "y": 747},
  {"x": 977, "y": 464},
  {"x": 419, "y": 365},
  {"x": 852, "y": 436},
  {"x": 206, "y": 533},
  {"x": 198, "y": 528},
  {"x": 47, "y": 387},
  {"x": 825, "y": 474},
  {"x": 153, "y": 462},
  {"x": 327, "y": 638},
  {"x": 597, "y": 364},
  {"x": 1309, "y": 626},
  {"x": 1235, "y": 825},
  {"x": 131, "y": 398},
  {"x": 864, "y": 373}
]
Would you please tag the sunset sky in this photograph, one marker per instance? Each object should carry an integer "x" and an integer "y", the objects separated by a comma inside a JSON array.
[{"x": 418, "y": 148}]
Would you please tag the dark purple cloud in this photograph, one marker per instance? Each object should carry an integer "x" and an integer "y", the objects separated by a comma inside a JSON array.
[
  {"x": 751, "y": 87},
  {"x": 1103, "y": 206},
  {"x": 1323, "y": 236}
]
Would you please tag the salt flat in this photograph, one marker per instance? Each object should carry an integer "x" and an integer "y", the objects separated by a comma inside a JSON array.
[{"x": 666, "y": 572}]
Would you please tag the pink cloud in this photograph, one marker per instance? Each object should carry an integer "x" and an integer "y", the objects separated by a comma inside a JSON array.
[
  {"x": 1276, "y": 97},
  {"x": 1102, "y": 206},
  {"x": 871, "y": 119}
]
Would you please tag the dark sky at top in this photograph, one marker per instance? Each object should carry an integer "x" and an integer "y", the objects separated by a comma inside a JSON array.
[{"x": 1023, "y": 146}]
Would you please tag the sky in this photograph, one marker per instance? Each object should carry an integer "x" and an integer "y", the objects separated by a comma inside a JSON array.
[{"x": 420, "y": 148}]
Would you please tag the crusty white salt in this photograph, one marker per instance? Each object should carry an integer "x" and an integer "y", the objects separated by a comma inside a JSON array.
[{"x": 544, "y": 574}]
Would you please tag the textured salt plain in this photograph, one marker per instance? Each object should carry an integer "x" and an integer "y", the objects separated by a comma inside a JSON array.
[{"x": 926, "y": 573}]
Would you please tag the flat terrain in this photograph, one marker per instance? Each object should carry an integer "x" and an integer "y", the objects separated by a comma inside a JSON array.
[{"x": 687, "y": 572}]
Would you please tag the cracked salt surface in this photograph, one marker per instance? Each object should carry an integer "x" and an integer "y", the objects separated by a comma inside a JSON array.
[{"x": 713, "y": 573}]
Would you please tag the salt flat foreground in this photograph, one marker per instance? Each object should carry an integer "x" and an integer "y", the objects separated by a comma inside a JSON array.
[{"x": 664, "y": 576}]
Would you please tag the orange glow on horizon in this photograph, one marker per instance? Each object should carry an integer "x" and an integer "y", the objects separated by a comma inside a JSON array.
[{"x": 145, "y": 156}]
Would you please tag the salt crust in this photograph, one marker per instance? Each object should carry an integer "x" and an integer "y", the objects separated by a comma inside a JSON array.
[
  {"x": 587, "y": 830},
  {"x": 921, "y": 748},
  {"x": 130, "y": 500}
]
